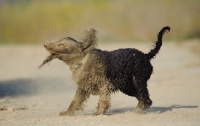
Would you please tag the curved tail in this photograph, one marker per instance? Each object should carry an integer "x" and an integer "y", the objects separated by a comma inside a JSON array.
[{"x": 158, "y": 44}]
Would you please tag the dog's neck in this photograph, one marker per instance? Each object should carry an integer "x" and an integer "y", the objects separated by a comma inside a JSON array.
[{"x": 78, "y": 64}]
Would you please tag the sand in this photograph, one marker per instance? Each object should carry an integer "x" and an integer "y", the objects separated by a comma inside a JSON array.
[{"x": 32, "y": 96}]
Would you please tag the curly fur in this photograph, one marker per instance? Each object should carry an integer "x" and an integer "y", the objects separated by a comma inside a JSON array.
[{"x": 101, "y": 73}]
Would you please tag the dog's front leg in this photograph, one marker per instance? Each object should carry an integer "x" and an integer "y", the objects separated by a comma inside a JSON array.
[
  {"x": 104, "y": 101},
  {"x": 77, "y": 103}
]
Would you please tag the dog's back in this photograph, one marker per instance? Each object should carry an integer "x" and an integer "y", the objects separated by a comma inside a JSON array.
[{"x": 123, "y": 66}]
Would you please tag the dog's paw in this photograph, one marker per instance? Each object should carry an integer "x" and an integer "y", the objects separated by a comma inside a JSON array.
[
  {"x": 140, "y": 111},
  {"x": 66, "y": 113},
  {"x": 98, "y": 113}
]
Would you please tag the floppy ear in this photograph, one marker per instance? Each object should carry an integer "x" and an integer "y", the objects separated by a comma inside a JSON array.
[{"x": 90, "y": 40}]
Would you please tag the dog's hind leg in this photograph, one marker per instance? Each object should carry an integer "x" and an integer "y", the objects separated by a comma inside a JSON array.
[
  {"x": 144, "y": 102},
  {"x": 104, "y": 101},
  {"x": 147, "y": 100},
  {"x": 77, "y": 103}
]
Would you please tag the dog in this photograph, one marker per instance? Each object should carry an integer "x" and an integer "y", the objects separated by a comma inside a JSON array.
[{"x": 98, "y": 72}]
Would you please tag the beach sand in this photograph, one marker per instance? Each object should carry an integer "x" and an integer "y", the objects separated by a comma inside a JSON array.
[{"x": 31, "y": 96}]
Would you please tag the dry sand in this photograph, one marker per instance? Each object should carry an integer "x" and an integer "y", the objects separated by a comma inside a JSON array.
[{"x": 31, "y": 96}]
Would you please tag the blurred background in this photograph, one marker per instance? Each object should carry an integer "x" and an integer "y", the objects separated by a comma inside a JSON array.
[{"x": 35, "y": 21}]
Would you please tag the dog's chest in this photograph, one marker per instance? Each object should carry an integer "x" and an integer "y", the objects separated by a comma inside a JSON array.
[
  {"x": 77, "y": 72},
  {"x": 90, "y": 77}
]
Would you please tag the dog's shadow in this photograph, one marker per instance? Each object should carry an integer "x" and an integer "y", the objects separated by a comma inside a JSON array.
[
  {"x": 157, "y": 110},
  {"x": 160, "y": 110}
]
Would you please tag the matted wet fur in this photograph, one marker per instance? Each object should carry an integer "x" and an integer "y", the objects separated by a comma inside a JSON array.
[{"x": 101, "y": 73}]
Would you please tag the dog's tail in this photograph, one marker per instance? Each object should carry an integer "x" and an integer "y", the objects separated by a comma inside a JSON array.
[{"x": 157, "y": 44}]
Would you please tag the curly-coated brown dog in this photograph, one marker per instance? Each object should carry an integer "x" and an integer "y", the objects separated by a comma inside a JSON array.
[{"x": 101, "y": 73}]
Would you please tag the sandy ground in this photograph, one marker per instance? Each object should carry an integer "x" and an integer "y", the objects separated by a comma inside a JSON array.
[{"x": 31, "y": 96}]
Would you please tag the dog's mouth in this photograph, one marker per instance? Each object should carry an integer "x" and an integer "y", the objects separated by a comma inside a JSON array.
[{"x": 49, "y": 59}]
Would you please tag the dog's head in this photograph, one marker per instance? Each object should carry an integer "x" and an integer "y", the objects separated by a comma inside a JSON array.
[
  {"x": 66, "y": 45},
  {"x": 69, "y": 49}
]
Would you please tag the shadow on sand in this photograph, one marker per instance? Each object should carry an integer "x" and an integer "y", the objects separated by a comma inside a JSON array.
[
  {"x": 25, "y": 87},
  {"x": 157, "y": 110},
  {"x": 160, "y": 110},
  {"x": 17, "y": 87}
]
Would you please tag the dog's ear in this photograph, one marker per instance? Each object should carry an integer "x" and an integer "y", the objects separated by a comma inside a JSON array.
[{"x": 90, "y": 40}]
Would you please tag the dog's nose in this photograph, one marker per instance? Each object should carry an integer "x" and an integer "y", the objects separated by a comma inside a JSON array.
[{"x": 48, "y": 41}]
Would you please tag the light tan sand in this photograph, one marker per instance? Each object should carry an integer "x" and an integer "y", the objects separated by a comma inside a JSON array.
[{"x": 35, "y": 97}]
